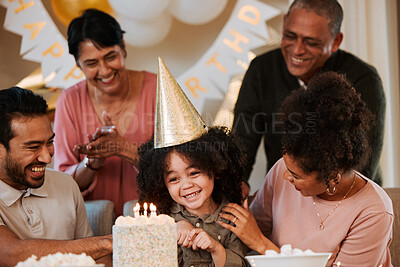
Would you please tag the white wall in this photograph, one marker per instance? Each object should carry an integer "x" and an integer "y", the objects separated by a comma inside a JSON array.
[{"x": 371, "y": 32}]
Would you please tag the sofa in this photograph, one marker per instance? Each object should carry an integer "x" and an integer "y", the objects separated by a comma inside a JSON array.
[{"x": 101, "y": 216}]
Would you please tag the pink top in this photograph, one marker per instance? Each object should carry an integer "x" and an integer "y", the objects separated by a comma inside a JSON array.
[
  {"x": 75, "y": 117},
  {"x": 357, "y": 233}
]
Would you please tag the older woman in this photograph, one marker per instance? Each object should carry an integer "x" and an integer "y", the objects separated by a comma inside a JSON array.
[
  {"x": 314, "y": 197},
  {"x": 105, "y": 117}
]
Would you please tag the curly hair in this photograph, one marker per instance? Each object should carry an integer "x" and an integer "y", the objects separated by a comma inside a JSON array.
[
  {"x": 326, "y": 127},
  {"x": 217, "y": 152}
]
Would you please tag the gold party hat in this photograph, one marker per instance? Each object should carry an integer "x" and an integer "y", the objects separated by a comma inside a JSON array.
[{"x": 176, "y": 121}]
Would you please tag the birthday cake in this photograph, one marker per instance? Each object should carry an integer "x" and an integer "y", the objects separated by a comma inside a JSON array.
[{"x": 145, "y": 241}]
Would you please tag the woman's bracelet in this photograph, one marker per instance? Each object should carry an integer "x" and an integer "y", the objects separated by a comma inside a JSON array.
[{"x": 86, "y": 164}]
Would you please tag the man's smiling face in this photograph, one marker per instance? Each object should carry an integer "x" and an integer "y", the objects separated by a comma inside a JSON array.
[{"x": 30, "y": 150}]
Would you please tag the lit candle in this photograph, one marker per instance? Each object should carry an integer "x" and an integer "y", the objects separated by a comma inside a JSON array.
[
  {"x": 153, "y": 210},
  {"x": 136, "y": 210},
  {"x": 145, "y": 209}
]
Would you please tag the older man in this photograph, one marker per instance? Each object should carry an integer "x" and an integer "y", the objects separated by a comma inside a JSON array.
[
  {"x": 41, "y": 210},
  {"x": 310, "y": 44}
]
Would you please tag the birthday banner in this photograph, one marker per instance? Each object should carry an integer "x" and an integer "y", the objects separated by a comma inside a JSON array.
[
  {"x": 41, "y": 41},
  {"x": 205, "y": 82}
]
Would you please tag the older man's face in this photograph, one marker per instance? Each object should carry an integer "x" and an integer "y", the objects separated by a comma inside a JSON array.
[
  {"x": 31, "y": 149},
  {"x": 307, "y": 43}
]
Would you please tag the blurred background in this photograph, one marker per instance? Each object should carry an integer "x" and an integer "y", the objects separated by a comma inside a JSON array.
[
  {"x": 370, "y": 30},
  {"x": 181, "y": 48}
]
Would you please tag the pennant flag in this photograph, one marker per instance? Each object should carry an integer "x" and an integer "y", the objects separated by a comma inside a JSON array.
[
  {"x": 207, "y": 81},
  {"x": 41, "y": 41}
]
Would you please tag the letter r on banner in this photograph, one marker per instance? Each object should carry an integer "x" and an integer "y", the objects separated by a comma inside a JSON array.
[{"x": 194, "y": 84}]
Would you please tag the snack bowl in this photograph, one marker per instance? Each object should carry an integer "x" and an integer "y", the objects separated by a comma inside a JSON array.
[
  {"x": 314, "y": 260},
  {"x": 60, "y": 259}
]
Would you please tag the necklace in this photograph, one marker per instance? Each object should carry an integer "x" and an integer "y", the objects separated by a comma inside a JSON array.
[
  {"x": 123, "y": 105},
  {"x": 321, "y": 225}
]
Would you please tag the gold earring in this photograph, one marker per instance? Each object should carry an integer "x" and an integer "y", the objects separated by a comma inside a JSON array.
[{"x": 328, "y": 191}]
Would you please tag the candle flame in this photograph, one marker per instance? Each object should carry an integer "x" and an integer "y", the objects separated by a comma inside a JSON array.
[
  {"x": 137, "y": 207},
  {"x": 153, "y": 207},
  {"x": 145, "y": 206}
]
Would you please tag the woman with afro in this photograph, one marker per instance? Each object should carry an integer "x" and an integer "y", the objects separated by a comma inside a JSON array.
[{"x": 314, "y": 197}]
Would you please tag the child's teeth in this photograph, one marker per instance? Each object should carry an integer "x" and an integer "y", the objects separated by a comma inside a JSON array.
[{"x": 191, "y": 195}]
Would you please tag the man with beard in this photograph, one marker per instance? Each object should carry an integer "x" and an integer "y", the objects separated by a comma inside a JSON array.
[
  {"x": 310, "y": 44},
  {"x": 41, "y": 211}
]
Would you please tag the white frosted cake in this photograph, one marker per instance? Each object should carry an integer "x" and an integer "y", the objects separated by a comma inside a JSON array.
[{"x": 143, "y": 241}]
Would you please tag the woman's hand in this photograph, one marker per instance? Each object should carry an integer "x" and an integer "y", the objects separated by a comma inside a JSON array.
[
  {"x": 107, "y": 142},
  {"x": 183, "y": 228},
  {"x": 245, "y": 227}
]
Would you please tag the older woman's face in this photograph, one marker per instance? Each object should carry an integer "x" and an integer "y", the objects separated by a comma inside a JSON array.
[
  {"x": 104, "y": 67},
  {"x": 306, "y": 184}
]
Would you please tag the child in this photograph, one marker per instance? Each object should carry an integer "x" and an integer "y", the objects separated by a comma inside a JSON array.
[{"x": 192, "y": 182}]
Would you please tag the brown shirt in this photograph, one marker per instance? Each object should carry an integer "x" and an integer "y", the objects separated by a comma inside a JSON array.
[{"x": 234, "y": 248}]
